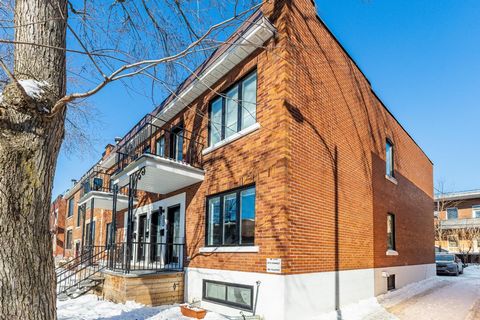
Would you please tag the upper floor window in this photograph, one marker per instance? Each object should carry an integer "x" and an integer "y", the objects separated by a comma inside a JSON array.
[
  {"x": 391, "y": 232},
  {"x": 79, "y": 215},
  {"x": 70, "y": 207},
  {"x": 69, "y": 240},
  {"x": 231, "y": 218},
  {"x": 389, "y": 158},
  {"x": 476, "y": 211},
  {"x": 452, "y": 213},
  {"x": 234, "y": 110}
]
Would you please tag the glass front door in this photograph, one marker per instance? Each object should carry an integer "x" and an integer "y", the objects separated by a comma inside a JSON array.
[{"x": 173, "y": 236}]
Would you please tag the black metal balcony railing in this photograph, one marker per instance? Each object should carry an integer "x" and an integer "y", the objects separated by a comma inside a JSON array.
[
  {"x": 171, "y": 143},
  {"x": 145, "y": 256},
  {"x": 96, "y": 181}
]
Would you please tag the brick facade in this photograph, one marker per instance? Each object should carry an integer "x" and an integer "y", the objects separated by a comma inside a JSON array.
[{"x": 317, "y": 162}]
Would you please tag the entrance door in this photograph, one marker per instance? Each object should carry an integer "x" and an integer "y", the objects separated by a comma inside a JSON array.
[
  {"x": 142, "y": 237},
  {"x": 173, "y": 236}
]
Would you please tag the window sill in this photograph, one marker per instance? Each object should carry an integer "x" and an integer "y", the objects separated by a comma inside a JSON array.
[
  {"x": 239, "y": 249},
  {"x": 391, "y": 179},
  {"x": 391, "y": 253},
  {"x": 232, "y": 138}
]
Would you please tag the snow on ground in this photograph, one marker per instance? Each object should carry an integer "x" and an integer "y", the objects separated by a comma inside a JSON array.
[
  {"x": 437, "y": 298},
  {"x": 90, "y": 307}
]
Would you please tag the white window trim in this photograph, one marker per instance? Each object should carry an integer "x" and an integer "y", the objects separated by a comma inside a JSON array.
[
  {"x": 391, "y": 179},
  {"x": 232, "y": 249},
  {"x": 232, "y": 138},
  {"x": 391, "y": 252}
]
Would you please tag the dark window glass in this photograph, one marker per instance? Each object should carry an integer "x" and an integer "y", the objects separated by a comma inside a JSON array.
[
  {"x": 231, "y": 218},
  {"x": 214, "y": 226},
  {"x": 69, "y": 239},
  {"x": 235, "y": 110},
  {"x": 247, "y": 205},
  {"x": 389, "y": 159},
  {"x": 97, "y": 184},
  {"x": 109, "y": 234},
  {"x": 231, "y": 294},
  {"x": 391, "y": 282},
  {"x": 160, "y": 147},
  {"x": 391, "y": 231},
  {"x": 452, "y": 213},
  {"x": 79, "y": 216},
  {"x": 70, "y": 207}
]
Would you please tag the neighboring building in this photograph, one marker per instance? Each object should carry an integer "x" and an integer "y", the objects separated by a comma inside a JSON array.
[
  {"x": 57, "y": 225},
  {"x": 457, "y": 223},
  {"x": 286, "y": 188}
]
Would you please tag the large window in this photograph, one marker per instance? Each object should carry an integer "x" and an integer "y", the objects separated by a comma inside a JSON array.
[
  {"x": 234, "y": 110},
  {"x": 70, "y": 207},
  {"x": 389, "y": 158},
  {"x": 391, "y": 232},
  {"x": 231, "y": 218},
  {"x": 69, "y": 240},
  {"x": 236, "y": 295},
  {"x": 109, "y": 235},
  {"x": 452, "y": 213}
]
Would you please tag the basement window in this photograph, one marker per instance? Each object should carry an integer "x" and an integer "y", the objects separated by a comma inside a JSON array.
[
  {"x": 230, "y": 294},
  {"x": 391, "y": 282}
]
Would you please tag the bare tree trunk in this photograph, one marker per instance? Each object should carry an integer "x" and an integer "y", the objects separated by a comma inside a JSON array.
[{"x": 29, "y": 144}]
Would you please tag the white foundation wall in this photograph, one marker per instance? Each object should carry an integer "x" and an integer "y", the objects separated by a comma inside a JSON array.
[
  {"x": 303, "y": 296},
  {"x": 308, "y": 295},
  {"x": 403, "y": 275},
  {"x": 271, "y": 293}
]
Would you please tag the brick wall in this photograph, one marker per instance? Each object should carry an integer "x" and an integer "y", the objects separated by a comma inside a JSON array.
[{"x": 338, "y": 197}]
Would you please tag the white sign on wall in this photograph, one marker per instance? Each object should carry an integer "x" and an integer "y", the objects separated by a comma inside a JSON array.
[{"x": 274, "y": 265}]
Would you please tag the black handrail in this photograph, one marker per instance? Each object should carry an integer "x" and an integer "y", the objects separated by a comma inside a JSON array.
[{"x": 82, "y": 268}]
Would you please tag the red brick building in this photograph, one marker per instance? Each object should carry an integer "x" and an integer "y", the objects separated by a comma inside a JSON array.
[
  {"x": 57, "y": 225},
  {"x": 274, "y": 178}
]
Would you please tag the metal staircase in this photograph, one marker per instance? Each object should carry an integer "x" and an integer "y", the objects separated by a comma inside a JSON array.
[{"x": 82, "y": 274}]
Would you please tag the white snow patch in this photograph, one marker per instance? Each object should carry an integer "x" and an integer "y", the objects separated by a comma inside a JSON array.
[
  {"x": 90, "y": 307},
  {"x": 364, "y": 309},
  {"x": 1, "y": 97},
  {"x": 33, "y": 88}
]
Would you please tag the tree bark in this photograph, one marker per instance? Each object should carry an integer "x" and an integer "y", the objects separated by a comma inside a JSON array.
[{"x": 29, "y": 144}]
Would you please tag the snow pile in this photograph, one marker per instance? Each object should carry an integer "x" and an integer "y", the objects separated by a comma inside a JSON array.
[
  {"x": 33, "y": 88},
  {"x": 1, "y": 97},
  {"x": 90, "y": 307}
]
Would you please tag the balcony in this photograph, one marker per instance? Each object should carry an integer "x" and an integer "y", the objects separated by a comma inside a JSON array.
[
  {"x": 96, "y": 189},
  {"x": 169, "y": 157},
  {"x": 460, "y": 223}
]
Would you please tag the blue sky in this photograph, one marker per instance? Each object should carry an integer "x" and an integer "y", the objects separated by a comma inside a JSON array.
[{"x": 422, "y": 58}]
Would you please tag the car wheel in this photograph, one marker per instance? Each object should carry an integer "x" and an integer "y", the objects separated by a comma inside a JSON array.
[
  {"x": 457, "y": 272},
  {"x": 461, "y": 272}
]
